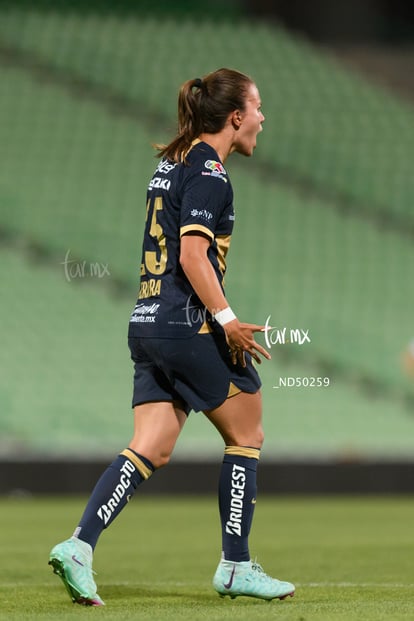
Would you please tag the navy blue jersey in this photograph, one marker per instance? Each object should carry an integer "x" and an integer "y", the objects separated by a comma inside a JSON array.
[{"x": 195, "y": 196}]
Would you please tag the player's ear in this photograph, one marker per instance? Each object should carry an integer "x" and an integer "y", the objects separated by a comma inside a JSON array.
[{"x": 236, "y": 119}]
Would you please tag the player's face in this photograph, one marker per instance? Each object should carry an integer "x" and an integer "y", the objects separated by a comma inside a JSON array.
[{"x": 251, "y": 119}]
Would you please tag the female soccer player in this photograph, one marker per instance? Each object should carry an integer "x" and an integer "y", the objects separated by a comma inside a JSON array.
[{"x": 190, "y": 350}]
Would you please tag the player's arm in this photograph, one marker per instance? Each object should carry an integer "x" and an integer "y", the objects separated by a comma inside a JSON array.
[{"x": 203, "y": 279}]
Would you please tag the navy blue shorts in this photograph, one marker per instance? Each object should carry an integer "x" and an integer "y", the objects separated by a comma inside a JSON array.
[{"x": 196, "y": 371}]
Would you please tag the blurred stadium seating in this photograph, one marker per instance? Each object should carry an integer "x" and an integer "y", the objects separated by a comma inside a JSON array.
[{"x": 323, "y": 239}]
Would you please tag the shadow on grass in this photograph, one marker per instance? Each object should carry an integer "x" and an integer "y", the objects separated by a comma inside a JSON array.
[{"x": 170, "y": 595}]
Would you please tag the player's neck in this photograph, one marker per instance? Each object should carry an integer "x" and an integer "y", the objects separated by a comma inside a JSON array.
[{"x": 222, "y": 143}]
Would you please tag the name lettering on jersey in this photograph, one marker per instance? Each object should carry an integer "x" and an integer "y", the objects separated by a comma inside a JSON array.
[
  {"x": 166, "y": 167},
  {"x": 149, "y": 288},
  {"x": 159, "y": 182},
  {"x": 106, "y": 510},
  {"x": 216, "y": 170},
  {"x": 238, "y": 483}
]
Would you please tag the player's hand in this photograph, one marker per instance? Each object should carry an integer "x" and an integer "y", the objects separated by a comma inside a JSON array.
[{"x": 240, "y": 339}]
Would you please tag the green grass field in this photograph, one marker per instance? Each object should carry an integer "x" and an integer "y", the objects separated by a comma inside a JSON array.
[{"x": 350, "y": 558}]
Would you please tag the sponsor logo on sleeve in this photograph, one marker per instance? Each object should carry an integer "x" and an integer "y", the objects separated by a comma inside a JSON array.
[
  {"x": 202, "y": 213},
  {"x": 216, "y": 169}
]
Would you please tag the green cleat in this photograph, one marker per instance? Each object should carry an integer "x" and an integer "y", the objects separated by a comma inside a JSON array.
[
  {"x": 247, "y": 578},
  {"x": 72, "y": 561}
]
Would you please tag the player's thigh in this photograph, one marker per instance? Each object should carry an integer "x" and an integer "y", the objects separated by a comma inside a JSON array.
[
  {"x": 157, "y": 426},
  {"x": 239, "y": 419}
]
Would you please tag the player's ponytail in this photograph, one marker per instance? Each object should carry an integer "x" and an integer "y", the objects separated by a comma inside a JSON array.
[{"x": 203, "y": 106}]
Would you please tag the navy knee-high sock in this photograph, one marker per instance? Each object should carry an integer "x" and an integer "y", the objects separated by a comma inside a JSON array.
[
  {"x": 111, "y": 493},
  {"x": 237, "y": 499}
]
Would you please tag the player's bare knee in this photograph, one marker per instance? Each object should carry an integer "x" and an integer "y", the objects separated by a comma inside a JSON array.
[
  {"x": 161, "y": 460},
  {"x": 256, "y": 440},
  {"x": 253, "y": 439},
  {"x": 257, "y": 437}
]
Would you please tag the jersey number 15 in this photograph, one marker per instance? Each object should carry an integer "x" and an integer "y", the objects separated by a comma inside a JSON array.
[{"x": 156, "y": 260}]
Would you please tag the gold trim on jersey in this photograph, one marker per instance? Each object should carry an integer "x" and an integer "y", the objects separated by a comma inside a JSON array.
[
  {"x": 144, "y": 471},
  {"x": 193, "y": 144},
  {"x": 223, "y": 244},
  {"x": 242, "y": 451},
  {"x": 196, "y": 227}
]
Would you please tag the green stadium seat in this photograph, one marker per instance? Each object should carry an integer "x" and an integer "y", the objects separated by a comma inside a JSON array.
[{"x": 87, "y": 94}]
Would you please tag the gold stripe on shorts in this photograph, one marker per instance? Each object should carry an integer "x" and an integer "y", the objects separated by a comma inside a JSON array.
[{"x": 205, "y": 328}]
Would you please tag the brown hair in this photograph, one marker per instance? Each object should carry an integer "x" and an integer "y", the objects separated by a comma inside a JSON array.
[{"x": 203, "y": 106}]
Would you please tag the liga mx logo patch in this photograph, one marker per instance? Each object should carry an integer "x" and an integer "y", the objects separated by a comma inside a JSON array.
[{"x": 216, "y": 169}]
